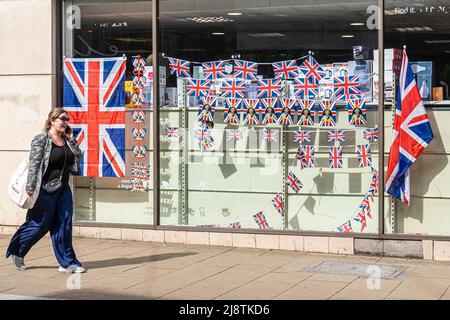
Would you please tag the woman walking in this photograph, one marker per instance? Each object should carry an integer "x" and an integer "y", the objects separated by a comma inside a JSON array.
[{"x": 58, "y": 153}]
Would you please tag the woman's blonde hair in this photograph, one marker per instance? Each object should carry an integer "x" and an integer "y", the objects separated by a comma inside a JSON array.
[{"x": 52, "y": 116}]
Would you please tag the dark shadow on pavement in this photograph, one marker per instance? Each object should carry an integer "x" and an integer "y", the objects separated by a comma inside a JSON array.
[{"x": 93, "y": 294}]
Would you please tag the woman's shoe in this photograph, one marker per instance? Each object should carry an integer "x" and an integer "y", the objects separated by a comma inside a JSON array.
[
  {"x": 18, "y": 263},
  {"x": 72, "y": 269}
]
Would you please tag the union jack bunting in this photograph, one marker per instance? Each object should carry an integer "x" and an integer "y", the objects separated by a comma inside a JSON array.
[
  {"x": 232, "y": 110},
  {"x": 357, "y": 111},
  {"x": 94, "y": 96},
  {"x": 233, "y": 135},
  {"x": 306, "y": 113},
  {"x": 138, "y": 65},
  {"x": 371, "y": 134},
  {"x": 205, "y": 145},
  {"x": 365, "y": 207},
  {"x": 287, "y": 111},
  {"x": 269, "y": 88},
  {"x": 268, "y": 135},
  {"x": 306, "y": 156},
  {"x": 312, "y": 70},
  {"x": 180, "y": 68},
  {"x": 251, "y": 111},
  {"x": 270, "y": 116},
  {"x": 278, "y": 204},
  {"x": 285, "y": 69},
  {"x": 202, "y": 134},
  {"x": 246, "y": 70},
  {"x": 138, "y": 116},
  {"x": 335, "y": 157},
  {"x": 346, "y": 227},
  {"x": 411, "y": 134},
  {"x": 364, "y": 155},
  {"x": 138, "y": 133},
  {"x": 293, "y": 182},
  {"x": 327, "y": 113},
  {"x": 235, "y": 225},
  {"x": 336, "y": 135},
  {"x": 260, "y": 220},
  {"x": 305, "y": 89},
  {"x": 361, "y": 218},
  {"x": 206, "y": 109},
  {"x": 346, "y": 87},
  {"x": 197, "y": 88},
  {"x": 171, "y": 132},
  {"x": 140, "y": 177},
  {"x": 214, "y": 70},
  {"x": 302, "y": 136},
  {"x": 139, "y": 151},
  {"x": 139, "y": 81},
  {"x": 233, "y": 89}
]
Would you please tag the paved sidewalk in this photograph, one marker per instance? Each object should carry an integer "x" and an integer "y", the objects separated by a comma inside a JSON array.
[{"x": 145, "y": 270}]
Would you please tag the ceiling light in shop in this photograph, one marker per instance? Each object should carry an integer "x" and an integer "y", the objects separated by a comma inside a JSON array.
[
  {"x": 266, "y": 35},
  {"x": 357, "y": 24},
  {"x": 218, "y": 33},
  {"x": 209, "y": 19},
  {"x": 414, "y": 29},
  {"x": 234, "y": 13},
  {"x": 347, "y": 36}
]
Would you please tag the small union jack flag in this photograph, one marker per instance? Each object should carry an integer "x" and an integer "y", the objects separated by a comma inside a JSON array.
[
  {"x": 306, "y": 112},
  {"x": 246, "y": 70},
  {"x": 261, "y": 221},
  {"x": 285, "y": 69},
  {"x": 302, "y": 136},
  {"x": 335, "y": 157},
  {"x": 214, "y": 70},
  {"x": 171, "y": 132},
  {"x": 346, "y": 87},
  {"x": 268, "y": 135},
  {"x": 202, "y": 134},
  {"x": 336, "y": 135},
  {"x": 197, "y": 88},
  {"x": 269, "y": 88},
  {"x": 357, "y": 111},
  {"x": 306, "y": 89},
  {"x": 181, "y": 68},
  {"x": 233, "y": 89},
  {"x": 327, "y": 113},
  {"x": 235, "y": 225},
  {"x": 312, "y": 70},
  {"x": 346, "y": 227},
  {"x": 371, "y": 134},
  {"x": 306, "y": 156},
  {"x": 361, "y": 218},
  {"x": 293, "y": 182},
  {"x": 278, "y": 204},
  {"x": 364, "y": 155},
  {"x": 234, "y": 135},
  {"x": 364, "y": 207}
]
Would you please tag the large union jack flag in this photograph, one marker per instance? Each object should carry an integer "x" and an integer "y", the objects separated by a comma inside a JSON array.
[
  {"x": 410, "y": 136},
  {"x": 335, "y": 157},
  {"x": 246, "y": 70},
  {"x": 197, "y": 88},
  {"x": 285, "y": 69},
  {"x": 293, "y": 182},
  {"x": 269, "y": 88},
  {"x": 94, "y": 96},
  {"x": 312, "y": 69},
  {"x": 181, "y": 68},
  {"x": 214, "y": 70},
  {"x": 306, "y": 88},
  {"x": 346, "y": 87},
  {"x": 233, "y": 89}
]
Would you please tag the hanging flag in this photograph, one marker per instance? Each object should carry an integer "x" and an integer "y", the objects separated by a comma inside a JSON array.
[
  {"x": 306, "y": 156},
  {"x": 234, "y": 135},
  {"x": 364, "y": 155},
  {"x": 270, "y": 116},
  {"x": 214, "y": 70},
  {"x": 411, "y": 134},
  {"x": 285, "y": 69},
  {"x": 346, "y": 227},
  {"x": 232, "y": 110},
  {"x": 278, "y": 204},
  {"x": 138, "y": 98},
  {"x": 197, "y": 88},
  {"x": 371, "y": 134},
  {"x": 140, "y": 177},
  {"x": 302, "y": 136},
  {"x": 139, "y": 81},
  {"x": 94, "y": 96},
  {"x": 180, "y": 68},
  {"x": 139, "y": 151},
  {"x": 138, "y": 133},
  {"x": 306, "y": 112},
  {"x": 235, "y": 225},
  {"x": 138, "y": 65},
  {"x": 346, "y": 87},
  {"x": 293, "y": 182},
  {"x": 287, "y": 112},
  {"x": 246, "y": 70},
  {"x": 171, "y": 132},
  {"x": 233, "y": 89},
  {"x": 327, "y": 113},
  {"x": 270, "y": 88},
  {"x": 335, "y": 157},
  {"x": 205, "y": 145},
  {"x": 251, "y": 111},
  {"x": 202, "y": 133},
  {"x": 361, "y": 218},
  {"x": 206, "y": 109},
  {"x": 365, "y": 207},
  {"x": 312, "y": 70},
  {"x": 357, "y": 111},
  {"x": 138, "y": 116},
  {"x": 336, "y": 135},
  {"x": 261, "y": 221},
  {"x": 306, "y": 89},
  {"x": 268, "y": 135}
]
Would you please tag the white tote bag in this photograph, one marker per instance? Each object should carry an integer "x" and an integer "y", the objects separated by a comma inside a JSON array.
[{"x": 17, "y": 184}]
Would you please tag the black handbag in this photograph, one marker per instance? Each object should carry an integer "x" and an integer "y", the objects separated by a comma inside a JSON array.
[{"x": 56, "y": 184}]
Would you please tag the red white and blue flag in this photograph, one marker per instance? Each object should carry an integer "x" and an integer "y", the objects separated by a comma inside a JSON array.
[
  {"x": 410, "y": 136},
  {"x": 346, "y": 87},
  {"x": 346, "y": 227},
  {"x": 312, "y": 69},
  {"x": 235, "y": 225},
  {"x": 278, "y": 204},
  {"x": 361, "y": 218},
  {"x": 246, "y": 70},
  {"x": 197, "y": 88},
  {"x": 364, "y": 155},
  {"x": 233, "y": 89},
  {"x": 261, "y": 221},
  {"x": 302, "y": 136},
  {"x": 214, "y": 70},
  {"x": 268, "y": 135},
  {"x": 234, "y": 134},
  {"x": 269, "y": 88},
  {"x": 94, "y": 96},
  {"x": 171, "y": 132},
  {"x": 306, "y": 156},
  {"x": 335, "y": 157},
  {"x": 306, "y": 112},
  {"x": 293, "y": 182},
  {"x": 371, "y": 134},
  {"x": 285, "y": 69},
  {"x": 357, "y": 111},
  {"x": 365, "y": 207},
  {"x": 306, "y": 88},
  {"x": 202, "y": 134},
  {"x": 336, "y": 135},
  {"x": 327, "y": 113},
  {"x": 180, "y": 68}
]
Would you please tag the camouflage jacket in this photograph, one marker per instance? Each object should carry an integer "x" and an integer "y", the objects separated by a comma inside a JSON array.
[{"x": 41, "y": 147}]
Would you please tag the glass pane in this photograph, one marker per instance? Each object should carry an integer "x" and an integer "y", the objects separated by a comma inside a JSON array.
[
  {"x": 421, "y": 26},
  {"x": 105, "y": 30},
  {"x": 223, "y": 171}
]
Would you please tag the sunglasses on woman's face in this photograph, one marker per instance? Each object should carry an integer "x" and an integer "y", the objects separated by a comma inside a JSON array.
[{"x": 65, "y": 119}]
